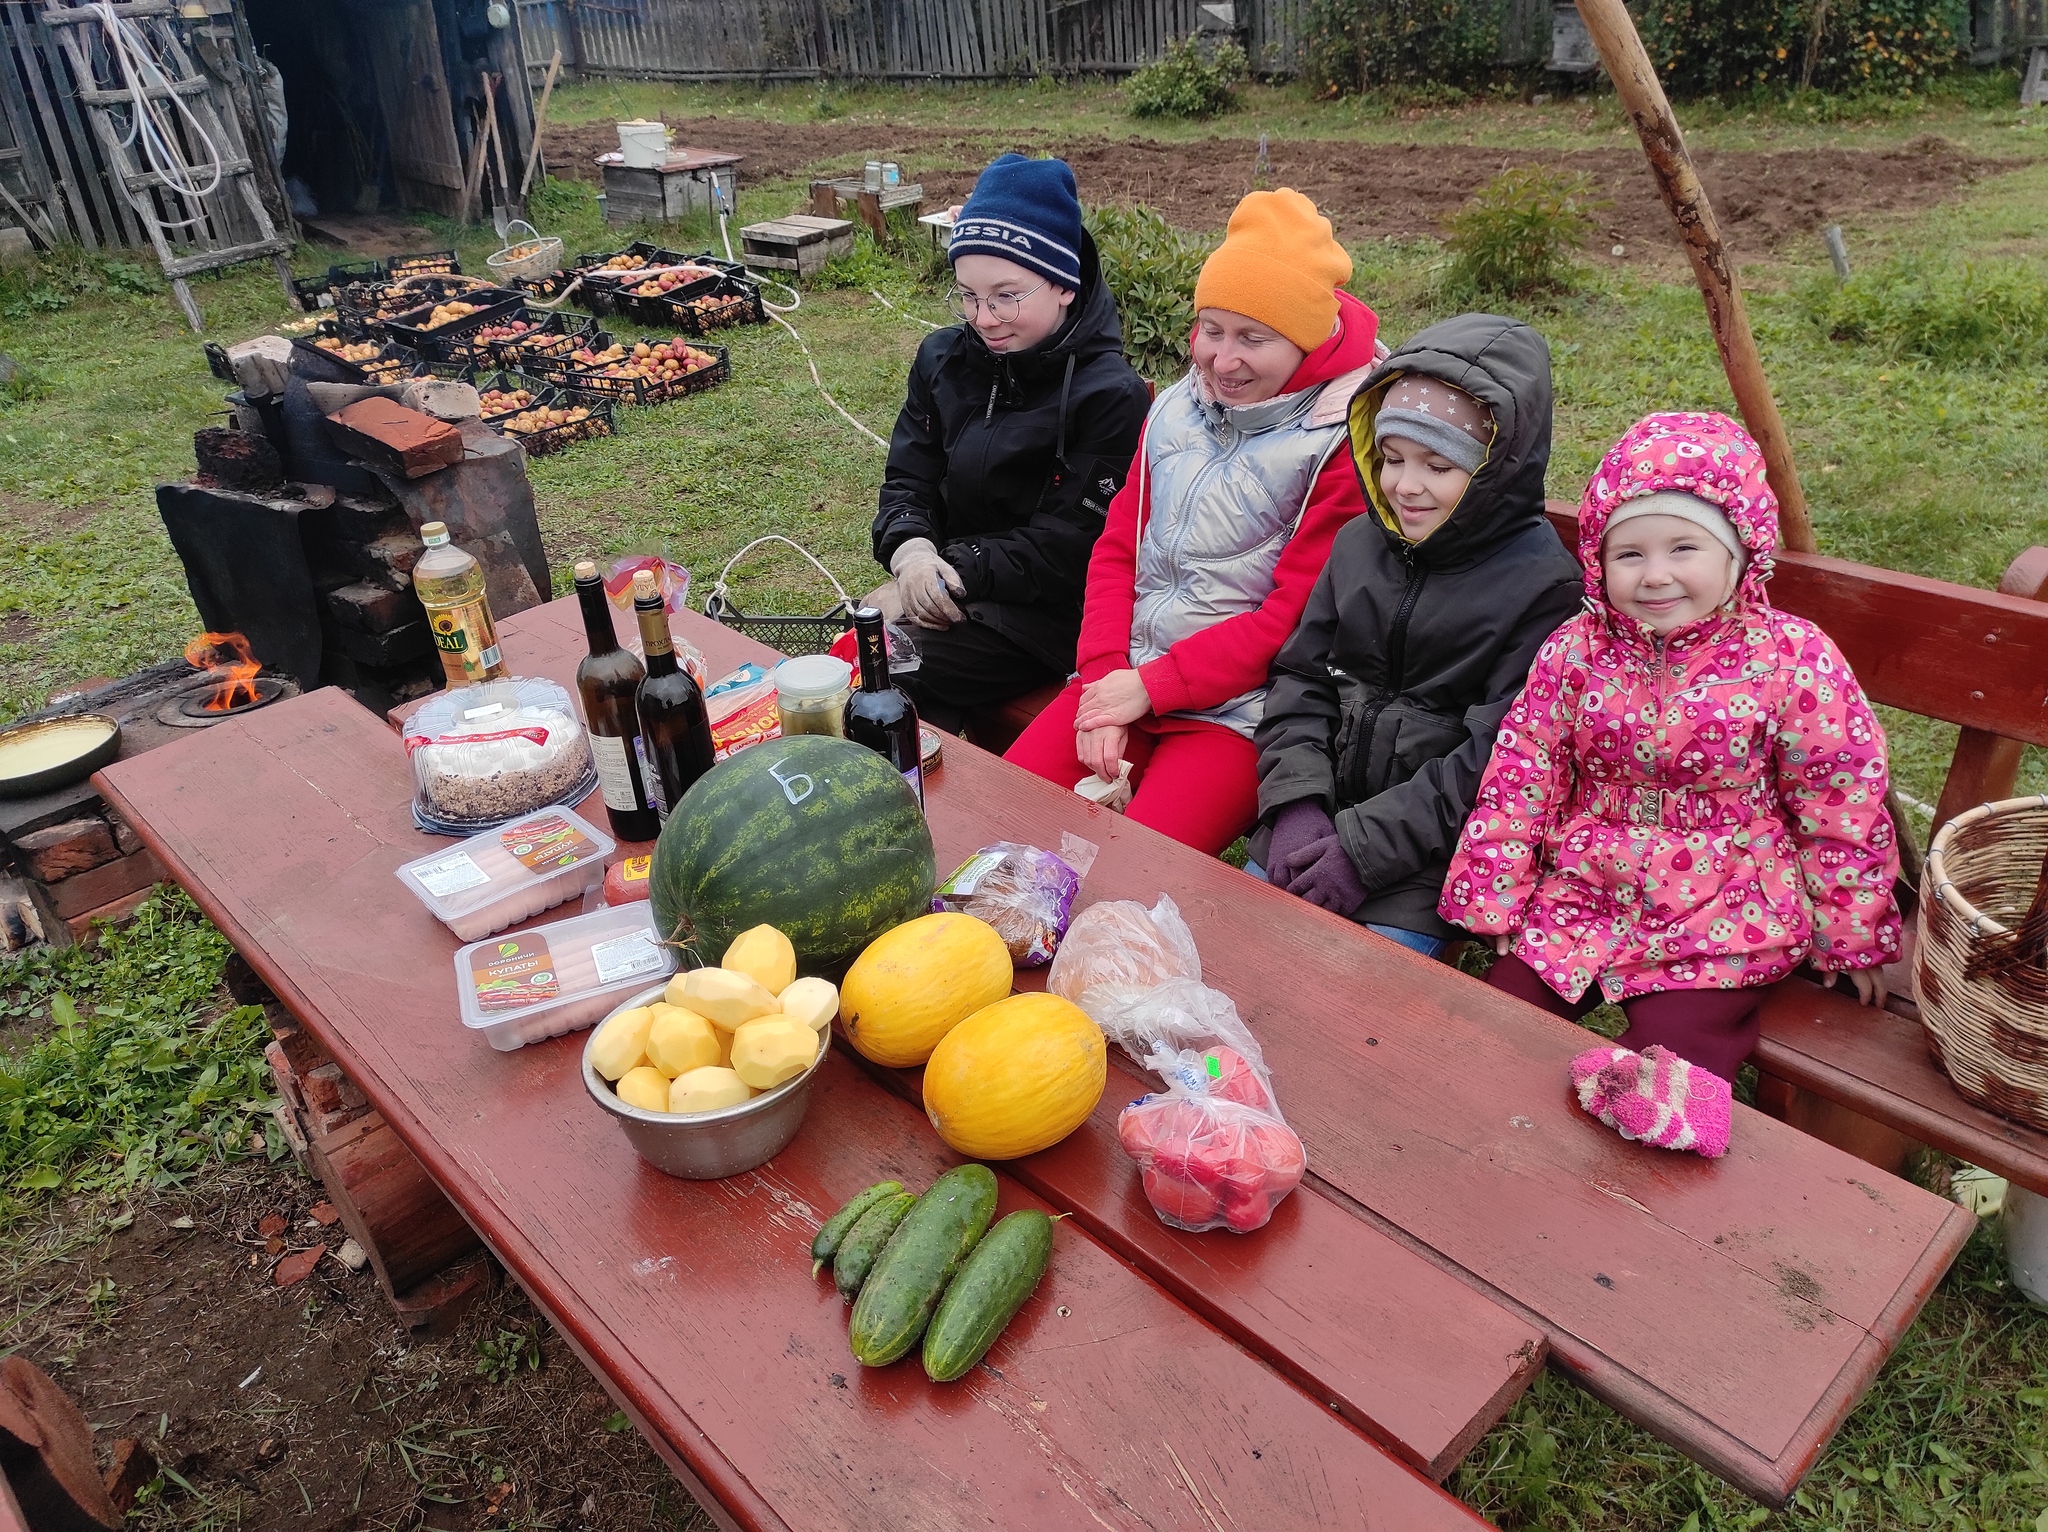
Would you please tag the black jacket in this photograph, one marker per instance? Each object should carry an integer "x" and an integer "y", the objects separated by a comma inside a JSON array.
[
  {"x": 1008, "y": 464},
  {"x": 1386, "y": 699}
]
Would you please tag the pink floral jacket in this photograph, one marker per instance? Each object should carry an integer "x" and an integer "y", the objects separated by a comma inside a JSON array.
[{"x": 1704, "y": 812}]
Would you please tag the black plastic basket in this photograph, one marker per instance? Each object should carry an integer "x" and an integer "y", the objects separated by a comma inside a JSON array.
[
  {"x": 579, "y": 378},
  {"x": 601, "y": 289},
  {"x": 557, "y": 337},
  {"x": 789, "y": 635},
  {"x": 544, "y": 288},
  {"x": 730, "y": 301},
  {"x": 476, "y": 349},
  {"x": 598, "y": 420},
  {"x": 545, "y": 394},
  {"x": 442, "y": 342},
  {"x": 217, "y": 361},
  {"x": 443, "y": 261},
  {"x": 658, "y": 309},
  {"x": 391, "y": 364}
]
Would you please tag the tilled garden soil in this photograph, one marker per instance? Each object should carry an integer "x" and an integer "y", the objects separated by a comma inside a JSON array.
[{"x": 1370, "y": 191}]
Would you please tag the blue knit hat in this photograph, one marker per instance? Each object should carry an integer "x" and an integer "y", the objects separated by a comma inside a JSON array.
[{"x": 1025, "y": 211}]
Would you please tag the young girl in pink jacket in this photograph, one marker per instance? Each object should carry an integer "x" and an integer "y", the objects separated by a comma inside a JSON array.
[{"x": 1687, "y": 801}]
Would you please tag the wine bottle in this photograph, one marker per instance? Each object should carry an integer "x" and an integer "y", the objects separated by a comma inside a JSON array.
[
  {"x": 675, "y": 731},
  {"x": 879, "y": 715},
  {"x": 608, "y": 680}
]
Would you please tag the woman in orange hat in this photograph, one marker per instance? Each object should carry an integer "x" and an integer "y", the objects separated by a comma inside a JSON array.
[{"x": 1216, "y": 539}]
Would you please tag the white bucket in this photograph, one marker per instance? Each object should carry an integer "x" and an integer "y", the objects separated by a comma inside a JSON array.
[
  {"x": 2026, "y": 1241},
  {"x": 643, "y": 145}
]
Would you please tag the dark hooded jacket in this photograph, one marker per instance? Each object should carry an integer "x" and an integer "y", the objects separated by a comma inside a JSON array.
[
  {"x": 1386, "y": 700},
  {"x": 1008, "y": 464}
]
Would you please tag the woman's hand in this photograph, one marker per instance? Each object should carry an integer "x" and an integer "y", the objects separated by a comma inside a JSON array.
[
  {"x": 1869, "y": 982},
  {"x": 927, "y": 584},
  {"x": 1118, "y": 698},
  {"x": 1102, "y": 750}
]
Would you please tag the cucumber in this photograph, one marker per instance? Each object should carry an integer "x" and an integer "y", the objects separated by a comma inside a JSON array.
[
  {"x": 1003, "y": 1271},
  {"x": 857, "y": 1254},
  {"x": 917, "y": 1263},
  {"x": 826, "y": 1244}
]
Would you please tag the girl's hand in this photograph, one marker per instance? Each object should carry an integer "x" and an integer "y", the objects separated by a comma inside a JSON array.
[
  {"x": 1869, "y": 982},
  {"x": 1118, "y": 698},
  {"x": 1102, "y": 750},
  {"x": 1502, "y": 945}
]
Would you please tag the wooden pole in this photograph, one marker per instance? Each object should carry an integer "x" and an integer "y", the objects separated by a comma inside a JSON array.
[
  {"x": 1642, "y": 95},
  {"x": 540, "y": 121}
]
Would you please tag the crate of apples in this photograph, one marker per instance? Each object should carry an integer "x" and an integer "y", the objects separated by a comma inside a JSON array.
[
  {"x": 504, "y": 401},
  {"x": 552, "y": 427},
  {"x": 674, "y": 277},
  {"x": 448, "y": 313}
]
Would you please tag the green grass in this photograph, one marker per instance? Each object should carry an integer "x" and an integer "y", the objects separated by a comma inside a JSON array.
[{"x": 1915, "y": 456}]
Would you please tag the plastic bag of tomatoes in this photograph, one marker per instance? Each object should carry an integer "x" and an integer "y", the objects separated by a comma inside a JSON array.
[{"x": 1212, "y": 1149}]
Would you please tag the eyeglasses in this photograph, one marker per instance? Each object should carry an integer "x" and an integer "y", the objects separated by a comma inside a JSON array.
[{"x": 1002, "y": 308}]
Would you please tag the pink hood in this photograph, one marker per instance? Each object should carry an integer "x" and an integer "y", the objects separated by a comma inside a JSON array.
[{"x": 1695, "y": 452}]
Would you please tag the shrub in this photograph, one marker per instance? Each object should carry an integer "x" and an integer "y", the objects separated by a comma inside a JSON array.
[
  {"x": 1353, "y": 46},
  {"x": 1712, "y": 47},
  {"x": 1150, "y": 267},
  {"x": 1520, "y": 232},
  {"x": 1994, "y": 314},
  {"x": 1192, "y": 79}
]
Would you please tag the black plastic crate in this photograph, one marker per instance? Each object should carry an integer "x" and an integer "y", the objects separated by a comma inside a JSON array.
[
  {"x": 598, "y": 420},
  {"x": 657, "y": 308},
  {"x": 581, "y": 378},
  {"x": 545, "y": 288},
  {"x": 479, "y": 349},
  {"x": 217, "y": 361},
  {"x": 443, "y": 261},
  {"x": 313, "y": 292},
  {"x": 341, "y": 273},
  {"x": 543, "y": 394},
  {"x": 601, "y": 289},
  {"x": 732, "y": 301},
  {"x": 558, "y": 335},
  {"x": 441, "y": 342},
  {"x": 388, "y": 363}
]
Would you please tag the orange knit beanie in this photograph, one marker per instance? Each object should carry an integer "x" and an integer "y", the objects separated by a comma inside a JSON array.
[{"x": 1279, "y": 264}]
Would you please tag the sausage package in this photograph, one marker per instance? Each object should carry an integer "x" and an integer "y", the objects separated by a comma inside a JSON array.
[
  {"x": 500, "y": 877},
  {"x": 525, "y": 986}
]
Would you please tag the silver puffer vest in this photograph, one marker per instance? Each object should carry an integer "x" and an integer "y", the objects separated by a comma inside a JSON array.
[{"x": 1223, "y": 489}]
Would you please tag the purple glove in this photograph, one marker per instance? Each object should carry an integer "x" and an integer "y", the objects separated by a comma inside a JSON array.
[
  {"x": 1323, "y": 874},
  {"x": 1299, "y": 824}
]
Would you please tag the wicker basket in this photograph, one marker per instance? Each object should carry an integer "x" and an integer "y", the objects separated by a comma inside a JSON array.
[
  {"x": 544, "y": 259},
  {"x": 1984, "y": 1002}
]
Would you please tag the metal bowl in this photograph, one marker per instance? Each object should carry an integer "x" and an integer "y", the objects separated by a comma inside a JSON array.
[
  {"x": 95, "y": 740},
  {"x": 705, "y": 1146}
]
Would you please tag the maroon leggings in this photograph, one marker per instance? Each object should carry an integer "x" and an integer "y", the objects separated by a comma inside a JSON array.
[{"x": 1714, "y": 1029}]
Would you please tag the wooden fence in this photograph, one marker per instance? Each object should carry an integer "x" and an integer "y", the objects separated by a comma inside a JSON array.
[{"x": 921, "y": 39}]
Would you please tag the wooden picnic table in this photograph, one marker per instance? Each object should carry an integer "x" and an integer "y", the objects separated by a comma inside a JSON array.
[
  {"x": 1109, "y": 1401},
  {"x": 1737, "y": 1308}
]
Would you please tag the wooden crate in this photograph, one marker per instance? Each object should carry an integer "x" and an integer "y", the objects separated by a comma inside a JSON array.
[
  {"x": 685, "y": 185},
  {"x": 800, "y": 243}
]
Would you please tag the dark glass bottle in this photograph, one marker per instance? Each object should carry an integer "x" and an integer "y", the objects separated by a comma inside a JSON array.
[
  {"x": 675, "y": 731},
  {"x": 879, "y": 715},
  {"x": 608, "y": 680}
]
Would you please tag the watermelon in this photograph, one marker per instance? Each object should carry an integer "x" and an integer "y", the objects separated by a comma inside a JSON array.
[{"x": 813, "y": 835}]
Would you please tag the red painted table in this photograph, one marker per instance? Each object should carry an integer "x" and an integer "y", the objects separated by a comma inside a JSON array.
[{"x": 1737, "y": 1308}]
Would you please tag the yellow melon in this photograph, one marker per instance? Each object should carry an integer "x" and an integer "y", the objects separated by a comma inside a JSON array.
[
  {"x": 916, "y": 983},
  {"x": 1015, "y": 1077}
]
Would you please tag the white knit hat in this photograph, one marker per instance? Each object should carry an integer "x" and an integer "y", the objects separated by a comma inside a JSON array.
[{"x": 1703, "y": 514}]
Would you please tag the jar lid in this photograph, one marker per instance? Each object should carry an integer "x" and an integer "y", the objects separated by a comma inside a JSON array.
[{"x": 814, "y": 675}]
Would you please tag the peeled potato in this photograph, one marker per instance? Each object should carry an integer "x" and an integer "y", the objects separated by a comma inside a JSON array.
[
  {"x": 812, "y": 1001},
  {"x": 773, "y": 1049},
  {"x": 680, "y": 1041},
  {"x": 645, "y": 1087},
  {"x": 706, "y": 1090},
  {"x": 620, "y": 1045},
  {"x": 721, "y": 997},
  {"x": 764, "y": 955}
]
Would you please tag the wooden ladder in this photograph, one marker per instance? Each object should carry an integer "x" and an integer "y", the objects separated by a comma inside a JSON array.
[{"x": 225, "y": 227}]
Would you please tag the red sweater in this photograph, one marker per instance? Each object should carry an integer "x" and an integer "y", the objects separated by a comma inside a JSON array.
[{"x": 1208, "y": 668}]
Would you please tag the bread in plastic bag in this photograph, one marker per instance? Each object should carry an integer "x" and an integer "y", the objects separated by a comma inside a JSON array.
[
  {"x": 1117, "y": 950},
  {"x": 1026, "y": 893}
]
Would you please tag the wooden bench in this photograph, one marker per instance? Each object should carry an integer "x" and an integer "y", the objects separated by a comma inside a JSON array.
[{"x": 1974, "y": 658}]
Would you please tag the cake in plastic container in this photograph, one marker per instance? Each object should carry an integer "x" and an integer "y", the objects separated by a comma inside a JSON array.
[{"x": 484, "y": 755}]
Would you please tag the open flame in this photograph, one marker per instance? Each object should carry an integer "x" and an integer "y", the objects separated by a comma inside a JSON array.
[{"x": 225, "y": 657}]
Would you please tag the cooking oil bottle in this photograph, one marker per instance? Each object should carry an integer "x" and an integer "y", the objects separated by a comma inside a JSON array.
[{"x": 450, "y": 585}]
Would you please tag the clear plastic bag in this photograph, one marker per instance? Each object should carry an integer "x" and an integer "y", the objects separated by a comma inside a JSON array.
[
  {"x": 1117, "y": 950},
  {"x": 484, "y": 755},
  {"x": 1213, "y": 1151},
  {"x": 1026, "y": 893}
]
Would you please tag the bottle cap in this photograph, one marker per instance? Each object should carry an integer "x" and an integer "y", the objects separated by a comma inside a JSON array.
[
  {"x": 434, "y": 533},
  {"x": 585, "y": 570},
  {"x": 644, "y": 588},
  {"x": 813, "y": 676}
]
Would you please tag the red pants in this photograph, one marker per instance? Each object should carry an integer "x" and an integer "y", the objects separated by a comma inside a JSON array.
[
  {"x": 1714, "y": 1029},
  {"x": 1195, "y": 781}
]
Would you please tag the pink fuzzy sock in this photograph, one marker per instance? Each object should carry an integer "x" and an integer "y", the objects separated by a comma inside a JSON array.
[{"x": 1656, "y": 1097}]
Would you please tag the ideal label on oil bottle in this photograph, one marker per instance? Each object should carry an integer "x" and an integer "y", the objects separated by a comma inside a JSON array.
[{"x": 463, "y": 634}]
